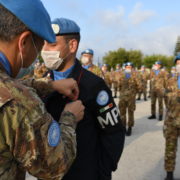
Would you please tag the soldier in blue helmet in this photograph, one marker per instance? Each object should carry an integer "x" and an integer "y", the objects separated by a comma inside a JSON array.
[
  {"x": 158, "y": 79},
  {"x": 30, "y": 139},
  {"x": 87, "y": 62},
  {"x": 101, "y": 124},
  {"x": 172, "y": 121}
]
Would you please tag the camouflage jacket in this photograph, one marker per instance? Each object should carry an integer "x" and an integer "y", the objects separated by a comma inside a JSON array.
[
  {"x": 116, "y": 76},
  {"x": 158, "y": 82},
  {"x": 108, "y": 78},
  {"x": 96, "y": 70},
  {"x": 129, "y": 87},
  {"x": 173, "y": 98},
  {"x": 24, "y": 130}
]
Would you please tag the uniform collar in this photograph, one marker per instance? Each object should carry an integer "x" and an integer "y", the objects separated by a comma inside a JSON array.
[
  {"x": 63, "y": 75},
  {"x": 5, "y": 63},
  {"x": 87, "y": 66}
]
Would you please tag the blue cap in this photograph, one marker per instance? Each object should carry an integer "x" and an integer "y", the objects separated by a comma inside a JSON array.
[
  {"x": 88, "y": 51},
  {"x": 158, "y": 62},
  {"x": 62, "y": 26},
  {"x": 129, "y": 64},
  {"x": 33, "y": 14},
  {"x": 106, "y": 65}
]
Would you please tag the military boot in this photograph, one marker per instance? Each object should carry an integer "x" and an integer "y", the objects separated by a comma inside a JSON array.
[
  {"x": 153, "y": 116},
  {"x": 169, "y": 176},
  {"x": 129, "y": 131},
  {"x": 160, "y": 117}
]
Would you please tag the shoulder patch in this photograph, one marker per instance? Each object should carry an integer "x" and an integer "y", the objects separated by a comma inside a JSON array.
[
  {"x": 54, "y": 134},
  {"x": 5, "y": 96},
  {"x": 102, "y": 98}
]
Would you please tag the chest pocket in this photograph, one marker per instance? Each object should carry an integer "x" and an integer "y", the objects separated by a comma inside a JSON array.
[{"x": 5, "y": 96}]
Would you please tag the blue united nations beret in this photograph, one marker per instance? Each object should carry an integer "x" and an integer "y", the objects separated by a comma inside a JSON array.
[
  {"x": 88, "y": 51},
  {"x": 177, "y": 58},
  {"x": 62, "y": 26},
  {"x": 33, "y": 14},
  {"x": 158, "y": 62},
  {"x": 129, "y": 64}
]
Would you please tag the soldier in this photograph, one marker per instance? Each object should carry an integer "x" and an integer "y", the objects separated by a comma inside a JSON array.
[
  {"x": 115, "y": 79},
  {"x": 173, "y": 72},
  {"x": 30, "y": 140},
  {"x": 172, "y": 121},
  {"x": 144, "y": 76},
  {"x": 87, "y": 62},
  {"x": 128, "y": 87},
  {"x": 107, "y": 75},
  {"x": 158, "y": 79},
  {"x": 100, "y": 136}
]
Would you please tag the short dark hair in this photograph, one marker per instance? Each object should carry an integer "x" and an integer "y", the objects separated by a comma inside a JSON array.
[
  {"x": 10, "y": 25},
  {"x": 72, "y": 36}
]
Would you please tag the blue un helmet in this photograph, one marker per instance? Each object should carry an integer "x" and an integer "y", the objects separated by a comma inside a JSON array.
[
  {"x": 177, "y": 58},
  {"x": 129, "y": 64},
  {"x": 88, "y": 51},
  {"x": 63, "y": 26},
  {"x": 33, "y": 14},
  {"x": 158, "y": 62}
]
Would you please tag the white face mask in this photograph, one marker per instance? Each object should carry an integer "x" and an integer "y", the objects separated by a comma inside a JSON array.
[
  {"x": 178, "y": 68},
  {"x": 52, "y": 59},
  {"x": 85, "y": 60},
  {"x": 155, "y": 68},
  {"x": 127, "y": 70}
]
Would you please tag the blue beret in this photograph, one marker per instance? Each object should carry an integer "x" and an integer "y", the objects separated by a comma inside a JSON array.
[
  {"x": 129, "y": 64},
  {"x": 106, "y": 65},
  {"x": 158, "y": 62},
  {"x": 62, "y": 26},
  {"x": 88, "y": 51},
  {"x": 33, "y": 14},
  {"x": 177, "y": 58}
]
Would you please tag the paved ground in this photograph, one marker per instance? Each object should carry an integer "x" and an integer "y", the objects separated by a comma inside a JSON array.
[{"x": 143, "y": 156}]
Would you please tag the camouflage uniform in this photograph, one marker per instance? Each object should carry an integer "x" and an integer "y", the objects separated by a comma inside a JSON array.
[
  {"x": 108, "y": 78},
  {"x": 128, "y": 89},
  {"x": 24, "y": 125},
  {"x": 144, "y": 76},
  {"x": 40, "y": 71},
  {"x": 157, "y": 90},
  {"x": 116, "y": 79},
  {"x": 172, "y": 123},
  {"x": 96, "y": 70}
]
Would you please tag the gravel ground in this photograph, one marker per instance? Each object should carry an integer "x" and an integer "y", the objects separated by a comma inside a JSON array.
[{"x": 143, "y": 156}]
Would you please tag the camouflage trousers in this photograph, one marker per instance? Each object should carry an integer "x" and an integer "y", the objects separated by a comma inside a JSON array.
[
  {"x": 154, "y": 97},
  {"x": 115, "y": 89},
  {"x": 144, "y": 92},
  {"x": 171, "y": 134},
  {"x": 127, "y": 105}
]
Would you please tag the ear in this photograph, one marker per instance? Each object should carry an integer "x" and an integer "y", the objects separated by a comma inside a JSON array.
[
  {"x": 23, "y": 39},
  {"x": 73, "y": 45}
]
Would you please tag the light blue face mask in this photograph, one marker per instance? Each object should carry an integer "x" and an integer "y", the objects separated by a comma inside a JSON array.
[{"x": 26, "y": 71}]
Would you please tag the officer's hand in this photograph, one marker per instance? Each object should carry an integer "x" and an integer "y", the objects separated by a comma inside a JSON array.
[
  {"x": 76, "y": 108},
  {"x": 67, "y": 87}
]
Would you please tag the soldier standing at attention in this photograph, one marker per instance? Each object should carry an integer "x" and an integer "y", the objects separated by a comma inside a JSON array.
[
  {"x": 158, "y": 79},
  {"x": 116, "y": 76},
  {"x": 107, "y": 75},
  {"x": 144, "y": 76},
  {"x": 30, "y": 139},
  {"x": 87, "y": 62},
  {"x": 128, "y": 87},
  {"x": 172, "y": 121}
]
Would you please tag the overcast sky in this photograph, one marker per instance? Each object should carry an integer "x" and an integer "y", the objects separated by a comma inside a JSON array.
[{"x": 151, "y": 26}]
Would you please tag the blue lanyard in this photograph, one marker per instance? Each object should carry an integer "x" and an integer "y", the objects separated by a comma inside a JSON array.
[{"x": 5, "y": 63}]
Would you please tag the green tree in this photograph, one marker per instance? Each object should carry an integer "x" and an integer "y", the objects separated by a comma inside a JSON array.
[
  {"x": 177, "y": 47},
  {"x": 121, "y": 56}
]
